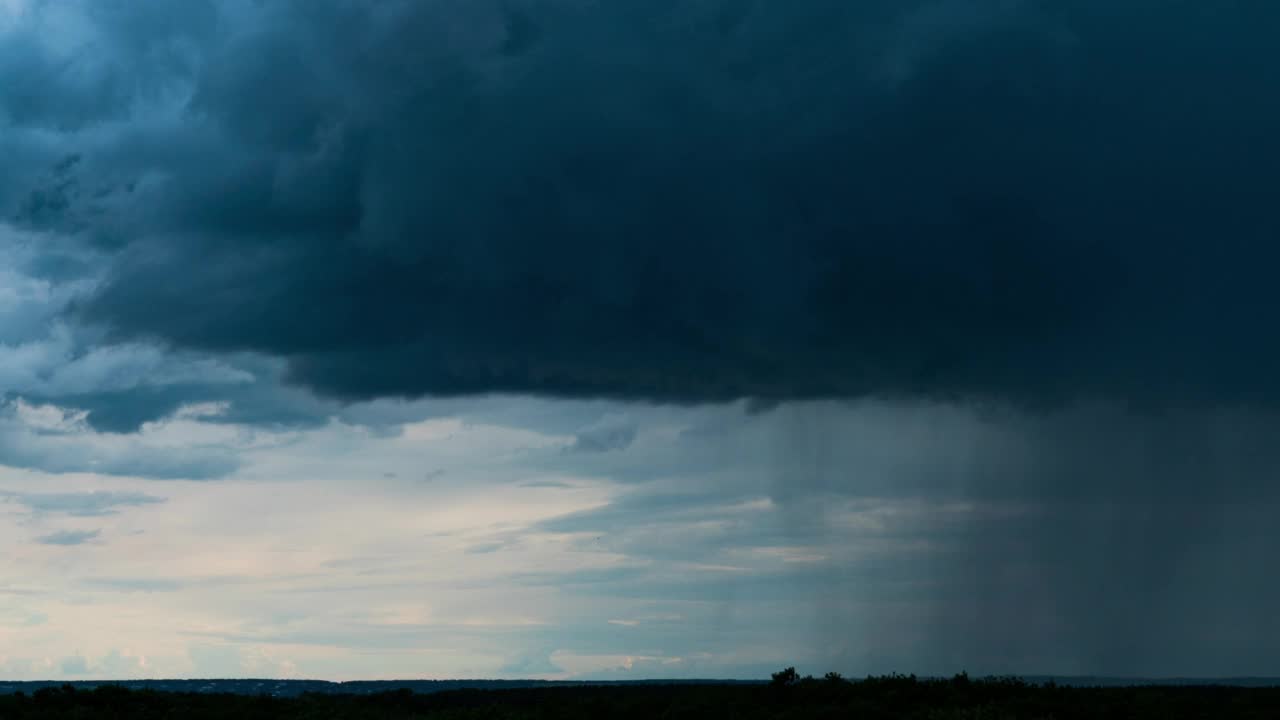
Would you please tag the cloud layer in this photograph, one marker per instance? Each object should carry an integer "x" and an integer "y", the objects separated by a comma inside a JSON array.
[{"x": 683, "y": 202}]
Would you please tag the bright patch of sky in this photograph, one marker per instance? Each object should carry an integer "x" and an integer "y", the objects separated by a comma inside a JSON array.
[{"x": 459, "y": 546}]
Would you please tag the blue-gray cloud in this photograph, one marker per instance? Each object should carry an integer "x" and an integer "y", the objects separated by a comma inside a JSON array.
[
  {"x": 131, "y": 585},
  {"x": 946, "y": 199},
  {"x": 530, "y": 664},
  {"x": 606, "y": 437},
  {"x": 74, "y": 665},
  {"x": 68, "y": 537},
  {"x": 46, "y": 360},
  {"x": 54, "y": 441},
  {"x": 85, "y": 504}
]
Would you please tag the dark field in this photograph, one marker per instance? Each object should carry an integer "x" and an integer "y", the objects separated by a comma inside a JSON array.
[{"x": 888, "y": 697}]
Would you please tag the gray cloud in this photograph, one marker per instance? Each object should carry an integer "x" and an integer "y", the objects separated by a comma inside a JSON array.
[
  {"x": 46, "y": 360},
  {"x": 94, "y": 503},
  {"x": 75, "y": 665},
  {"x": 69, "y": 537},
  {"x": 947, "y": 537},
  {"x": 61, "y": 446},
  {"x": 965, "y": 209},
  {"x": 536, "y": 663},
  {"x": 130, "y": 585},
  {"x": 605, "y": 437}
]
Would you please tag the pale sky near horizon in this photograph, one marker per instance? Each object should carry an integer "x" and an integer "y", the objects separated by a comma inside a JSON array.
[{"x": 463, "y": 546}]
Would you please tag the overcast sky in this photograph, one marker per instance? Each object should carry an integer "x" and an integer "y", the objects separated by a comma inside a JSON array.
[{"x": 641, "y": 338}]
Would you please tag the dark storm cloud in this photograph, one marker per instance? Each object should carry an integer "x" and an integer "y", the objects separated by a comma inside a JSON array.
[
  {"x": 261, "y": 402},
  {"x": 107, "y": 59},
  {"x": 685, "y": 201}
]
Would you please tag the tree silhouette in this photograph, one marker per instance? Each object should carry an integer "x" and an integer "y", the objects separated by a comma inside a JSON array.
[{"x": 786, "y": 678}]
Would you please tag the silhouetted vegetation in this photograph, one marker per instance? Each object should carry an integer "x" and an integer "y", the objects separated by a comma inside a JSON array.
[
  {"x": 788, "y": 696},
  {"x": 785, "y": 678}
]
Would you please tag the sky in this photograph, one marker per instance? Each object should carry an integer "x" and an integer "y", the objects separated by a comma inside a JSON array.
[{"x": 638, "y": 339}]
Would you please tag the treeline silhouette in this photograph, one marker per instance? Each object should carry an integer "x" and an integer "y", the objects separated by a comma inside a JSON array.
[{"x": 789, "y": 697}]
